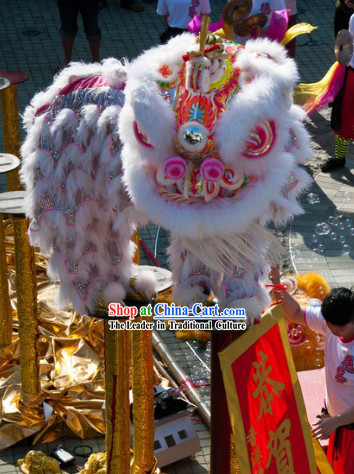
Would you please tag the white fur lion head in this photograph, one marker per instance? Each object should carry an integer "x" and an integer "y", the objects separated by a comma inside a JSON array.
[{"x": 210, "y": 140}]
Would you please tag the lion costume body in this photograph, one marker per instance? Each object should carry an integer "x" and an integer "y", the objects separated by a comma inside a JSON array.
[{"x": 205, "y": 142}]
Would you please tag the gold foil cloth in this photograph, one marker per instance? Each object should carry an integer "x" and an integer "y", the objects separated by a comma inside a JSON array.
[
  {"x": 71, "y": 368},
  {"x": 39, "y": 463},
  {"x": 71, "y": 373},
  {"x": 143, "y": 410},
  {"x": 96, "y": 464},
  {"x": 70, "y": 349},
  {"x": 117, "y": 400}
]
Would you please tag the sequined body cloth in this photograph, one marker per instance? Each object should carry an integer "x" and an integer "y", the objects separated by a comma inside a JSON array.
[{"x": 76, "y": 196}]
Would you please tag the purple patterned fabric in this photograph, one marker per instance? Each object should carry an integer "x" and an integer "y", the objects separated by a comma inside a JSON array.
[{"x": 195, "y": 24}]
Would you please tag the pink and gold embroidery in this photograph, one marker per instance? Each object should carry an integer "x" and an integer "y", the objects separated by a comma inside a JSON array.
[
  {"x": 261, "y": 142},
  {"x": 142, "y": 139},
  {"x": 165, "y": 70}
]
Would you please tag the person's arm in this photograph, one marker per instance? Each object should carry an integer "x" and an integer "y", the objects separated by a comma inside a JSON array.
[
  {"x": 292, "y": 310},
  {"x": 162, "y": 10},
  {"x": 279, "y": 5},
  {"x": 349, "y": 4},
  {"x": 205, "y": 7},
  {"x": 325, "y": 427}
]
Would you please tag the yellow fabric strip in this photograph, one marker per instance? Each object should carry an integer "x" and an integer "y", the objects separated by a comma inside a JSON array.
[
  {"x": 296, "y": 30},
  {"x": 321, "y": 459},
  {"x": 226, "y": 31},
  {"x": 310, "y": 94}
]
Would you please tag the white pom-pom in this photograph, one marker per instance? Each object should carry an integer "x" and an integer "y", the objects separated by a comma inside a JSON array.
[
  {"x": 187, "y": 296},
  {"x": 114, "y": 293},
  {"x": 146, "y": 283}
]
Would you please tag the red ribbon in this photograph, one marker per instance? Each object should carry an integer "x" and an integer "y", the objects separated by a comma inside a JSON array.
[
  {"x": 209, "y": 49},
  {"x": 277, "y": 288},
  {"x": 188, "y": 383}
]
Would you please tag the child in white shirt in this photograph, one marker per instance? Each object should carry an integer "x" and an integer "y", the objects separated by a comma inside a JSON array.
[{"x": 176, "y": 14}]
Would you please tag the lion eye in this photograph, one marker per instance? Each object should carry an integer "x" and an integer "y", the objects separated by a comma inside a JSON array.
[
  {"x": 142, "y": 139},
  {"x": 261, "y": 141}
]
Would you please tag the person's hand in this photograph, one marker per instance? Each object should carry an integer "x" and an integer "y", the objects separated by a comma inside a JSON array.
[
  {"x": 274, "y": 275},
  {"x": 257, "y": 30},
  {"x": 325, "y": 427},
  {"x": 349, "y": 4}
]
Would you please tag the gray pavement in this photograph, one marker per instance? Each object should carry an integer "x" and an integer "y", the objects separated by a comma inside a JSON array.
[
  {"x": 327, "y": 249},
  {"x": 30, "y": 41}
]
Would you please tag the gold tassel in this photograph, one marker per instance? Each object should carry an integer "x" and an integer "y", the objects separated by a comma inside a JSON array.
[
  {"x": 143, "y": 396},
  {"x": 234, "y": 465},
  {"x": 136, "y": 240},
  {"x": 5, "y": 306},
  {"x": 11, "y": 131},
  {"x": 27, "y": 311},
  {"x": 117, "y": 400}
]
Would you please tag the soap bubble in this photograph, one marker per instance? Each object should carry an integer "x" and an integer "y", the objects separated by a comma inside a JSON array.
[
  {"x": 315, "y": 238},
  {"x": 348, "y": 223},
  {"x": 322, "y": 228},
  {"x": 318, "y": 363},
  {"x": 313, "y": 245},
  {"x": 338, "y": 213},
  {"x": 320, "y": 249},
  {"x": 346, "y": 249},
  {"x": 341, "y": 225},
  {"x": 333, "y": 235},
  {"x": 326, "y": 228},
  {"x": 351, "y": 231},
  {"x": 319, "y": 229},
  {"x": 333, "y": 220},
  {"x": 313, "y": 198},
  {"x": 342, "y": 239}
]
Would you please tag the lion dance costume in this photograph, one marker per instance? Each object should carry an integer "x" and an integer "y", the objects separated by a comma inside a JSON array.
[{"x": 202, "y": 139}]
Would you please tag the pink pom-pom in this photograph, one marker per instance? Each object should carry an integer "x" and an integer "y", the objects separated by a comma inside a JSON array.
[
  {"x": 212, "y": 170},
  {"x": 175, "y": 168}
]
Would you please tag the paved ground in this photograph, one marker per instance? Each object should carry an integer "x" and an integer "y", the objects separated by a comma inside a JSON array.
[
  {"x": 29, "y": 41},
  {"x": 328, "y": 249}
]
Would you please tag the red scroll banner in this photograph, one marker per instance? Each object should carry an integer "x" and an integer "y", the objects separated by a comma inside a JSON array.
[{"x": 267, "y": 411}]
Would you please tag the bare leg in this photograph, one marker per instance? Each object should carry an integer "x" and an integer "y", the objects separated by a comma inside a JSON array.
[
  {"x": 68, "y": 43},
  {"x": 95, "y": 49}
]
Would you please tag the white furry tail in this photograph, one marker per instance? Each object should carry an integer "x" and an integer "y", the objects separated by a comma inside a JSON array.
[{"x": 81, "y": 215}]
